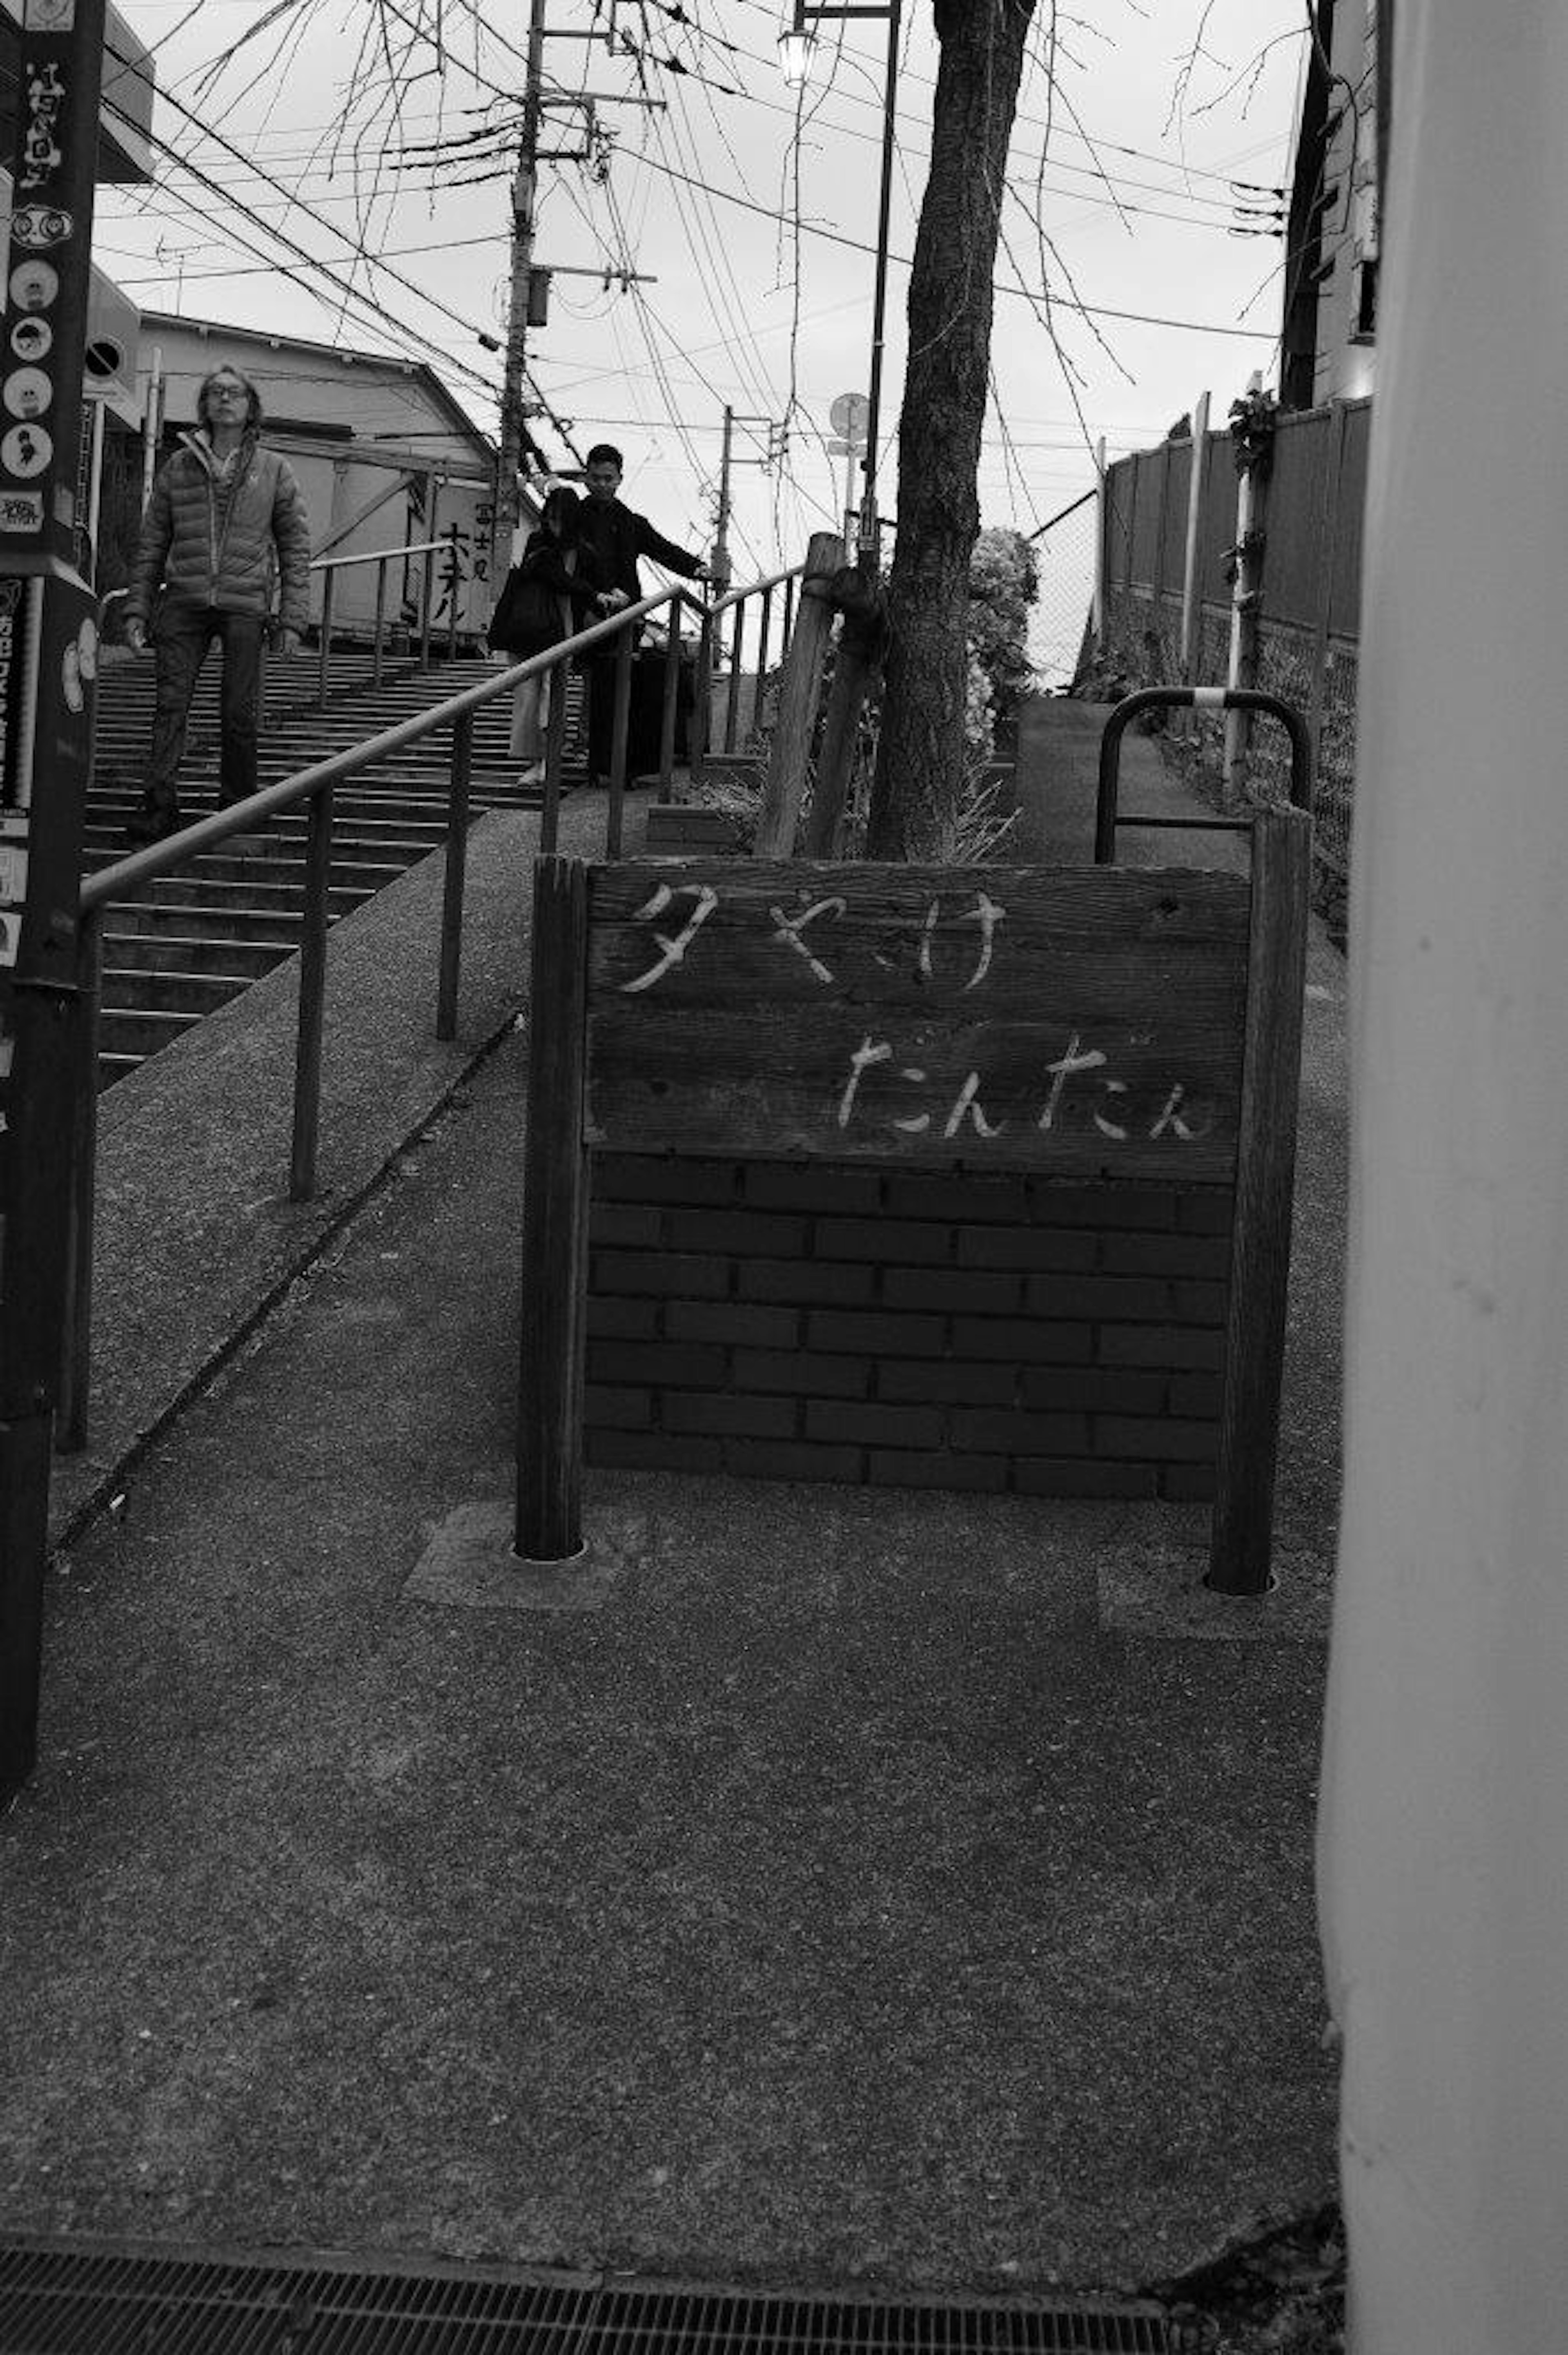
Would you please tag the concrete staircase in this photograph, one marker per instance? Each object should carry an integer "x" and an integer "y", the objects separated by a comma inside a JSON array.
[{"x": 183, "y": 945}]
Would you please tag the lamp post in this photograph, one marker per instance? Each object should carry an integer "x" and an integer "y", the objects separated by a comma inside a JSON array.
[{"x": 796, "y": 45}]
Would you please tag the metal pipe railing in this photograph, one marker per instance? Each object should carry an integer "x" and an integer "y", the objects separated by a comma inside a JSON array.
[
  {"x": 1108, "y": 816},
  {"x": 314, "y": 786},
  {"x": 709, "y": 657},
  {"x": 331, "y": 565}
]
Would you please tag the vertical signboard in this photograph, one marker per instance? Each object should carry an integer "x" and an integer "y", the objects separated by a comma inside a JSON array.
[{"x": 48, "y": 649}]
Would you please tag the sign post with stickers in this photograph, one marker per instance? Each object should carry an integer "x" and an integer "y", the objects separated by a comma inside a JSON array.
[{"x": 47, "y": 665}]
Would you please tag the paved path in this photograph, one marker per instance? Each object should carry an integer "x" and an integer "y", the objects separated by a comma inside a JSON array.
[{"x": 872, "y": 1889}]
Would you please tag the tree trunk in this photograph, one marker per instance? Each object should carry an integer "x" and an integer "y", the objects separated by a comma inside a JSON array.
[{"x": 919, "y": 770}]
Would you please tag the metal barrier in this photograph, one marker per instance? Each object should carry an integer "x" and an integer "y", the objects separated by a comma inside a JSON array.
[
  {"x": 1193, "y": 699},
  {"x": 331, "y": 565},
  {"x": 735, "y": 602},
  {"x": 314, "y": 785}
]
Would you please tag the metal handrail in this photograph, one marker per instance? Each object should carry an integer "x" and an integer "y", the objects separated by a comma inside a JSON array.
[
  {"x": 380, "y": 555},
  {"x": 330, "y": 566},
  {"x": 735, "y": 599},
  {"x": 1108, "y": 816},
  {"x": 315, "y": 787},
  {"x": 767, "y": 581}
]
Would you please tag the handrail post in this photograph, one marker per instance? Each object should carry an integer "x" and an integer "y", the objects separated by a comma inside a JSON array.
[
  {"x": 328, "y": 583},
  {"x": 548, "y": 1525},
  {"x": 615, "y": 784},
  {"x": 672, "y": 697},
  {"x": 620, "y": 723},
  {"x": 71, "y": 1422},
  {"x": 380, "y": 620},
  {"x": 452, "y": 626},
  {"x": 702, "y": 698},
  {"x": 763, "y": 621},
  {"x": 789, "y": 610},
  {"x": 427, "y": 602},
  {"x": 456, "y": 867},
  {"x": 312, "y": 1000},
  {"x": 733, "y": 708},
  {"x": 555, "y": 746}
]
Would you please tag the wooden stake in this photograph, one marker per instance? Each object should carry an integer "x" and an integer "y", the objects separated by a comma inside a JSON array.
[{"x": 798, "y": 704}]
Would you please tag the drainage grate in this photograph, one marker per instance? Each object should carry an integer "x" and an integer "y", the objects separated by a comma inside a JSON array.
[{"x": 81, "y": 2300}]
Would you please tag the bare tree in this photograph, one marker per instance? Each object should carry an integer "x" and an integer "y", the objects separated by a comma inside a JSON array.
[{"x": 914, "y": 795}]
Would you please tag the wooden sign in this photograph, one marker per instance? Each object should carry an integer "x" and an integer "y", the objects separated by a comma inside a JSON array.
[
  {"x": 1078, "y": 1021},
  {"x": 1140, "y": 1023}
]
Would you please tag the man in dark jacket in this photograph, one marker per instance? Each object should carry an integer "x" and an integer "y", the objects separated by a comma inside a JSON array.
[
  {"x": 617, "y": 537},
  {"x": 224, "y": 516}
]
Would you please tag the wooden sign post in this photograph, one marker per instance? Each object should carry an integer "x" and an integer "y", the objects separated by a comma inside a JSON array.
[{"x": 1075, "y": 1022}]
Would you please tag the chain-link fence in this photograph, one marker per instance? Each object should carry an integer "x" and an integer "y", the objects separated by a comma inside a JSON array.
[{"x": 1064, "y": 551}]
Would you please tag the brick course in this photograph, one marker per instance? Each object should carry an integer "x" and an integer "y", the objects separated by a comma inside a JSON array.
[{"x": 834, "y": 1322}]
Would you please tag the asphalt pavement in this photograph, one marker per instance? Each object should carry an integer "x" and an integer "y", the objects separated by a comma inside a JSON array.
[{"x": 909, "y": 1890}]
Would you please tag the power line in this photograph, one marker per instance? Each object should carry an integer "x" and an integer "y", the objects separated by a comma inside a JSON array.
[{"x": 858, "y": 245}]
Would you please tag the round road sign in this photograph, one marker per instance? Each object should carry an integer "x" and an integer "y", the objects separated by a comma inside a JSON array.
[{"x": 850, "y": 415}]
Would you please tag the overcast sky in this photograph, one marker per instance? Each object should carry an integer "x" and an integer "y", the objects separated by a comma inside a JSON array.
[{"x": 750, "y": 227}]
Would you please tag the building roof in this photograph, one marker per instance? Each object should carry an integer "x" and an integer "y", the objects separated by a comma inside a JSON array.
[{"x": 334, "y": 361}]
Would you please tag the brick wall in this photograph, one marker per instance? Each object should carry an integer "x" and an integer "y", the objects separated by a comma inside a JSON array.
[{"x": 821, "y": 1321}]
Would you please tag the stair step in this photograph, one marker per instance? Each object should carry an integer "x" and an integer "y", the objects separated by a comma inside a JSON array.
[
  {"x": 142, "y": 1033},
  {"x": 179, "y": 947},
  {"x": 195, "y": 921},
  {"x": 132, "y": 955},
  {"x": 129, "y": 991},
  {"x": 240, "y": 900}
]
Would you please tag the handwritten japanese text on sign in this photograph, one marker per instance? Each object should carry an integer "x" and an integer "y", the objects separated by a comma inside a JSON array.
[{"x": 1069, "y": 1019}]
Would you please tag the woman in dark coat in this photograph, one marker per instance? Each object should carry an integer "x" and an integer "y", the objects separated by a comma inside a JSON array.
[{"x": 554, "y": 589}]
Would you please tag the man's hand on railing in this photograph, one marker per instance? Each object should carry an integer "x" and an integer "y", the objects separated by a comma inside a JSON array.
[
  {"x": 288, "y": 644},
  {"x": 136, "y": 637}
]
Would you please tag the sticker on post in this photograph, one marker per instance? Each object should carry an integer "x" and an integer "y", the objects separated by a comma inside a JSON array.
[
  {"x": 25, "y": 451},
  {"x": 34, "y": 285},
  {"x": 10, "y": 936},
  {"x": 32, "y": 339},
  {"x": 13, "y": 874},
  {"x": 49, "y": 15},
  {"x": 46, "y": 98},
  {"x": 36, "y": 227},
  {"x": 26, "y": 392},
  {"x": 21, "y": 510}
]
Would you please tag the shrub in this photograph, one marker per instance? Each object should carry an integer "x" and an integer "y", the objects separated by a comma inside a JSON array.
[{"x": 1004, "y": 581}]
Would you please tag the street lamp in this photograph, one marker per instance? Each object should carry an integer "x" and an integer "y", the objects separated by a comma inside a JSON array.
[{"x": 796, "y": 45}]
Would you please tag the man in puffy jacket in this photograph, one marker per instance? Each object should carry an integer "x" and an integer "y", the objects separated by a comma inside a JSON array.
[{"x": 224, "y": 516}]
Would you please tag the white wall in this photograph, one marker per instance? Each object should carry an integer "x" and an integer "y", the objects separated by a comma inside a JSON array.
[{"x": 1443, "y": 1827}]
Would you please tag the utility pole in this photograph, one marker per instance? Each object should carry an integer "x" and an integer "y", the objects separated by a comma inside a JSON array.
[
  {"x": 721, "y": 534},
  {"x": 514, "y": 406},
  {"x": 525, "y": 187},
  {"x": 720, "y": 562},
  {"x": 869, "y": 549}
]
